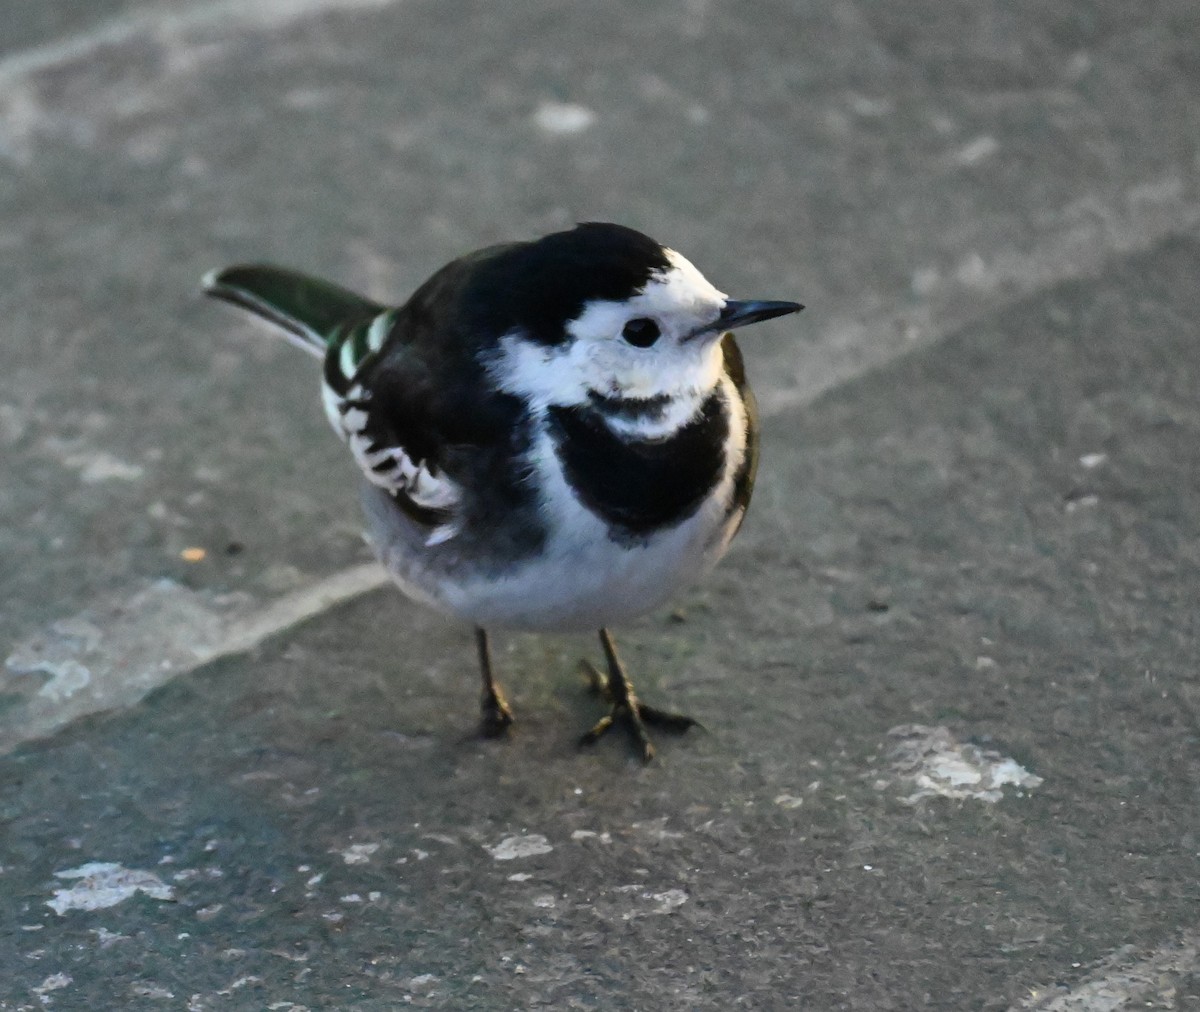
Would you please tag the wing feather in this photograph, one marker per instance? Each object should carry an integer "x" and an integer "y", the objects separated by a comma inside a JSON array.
[{"x": 374, "y": 430}]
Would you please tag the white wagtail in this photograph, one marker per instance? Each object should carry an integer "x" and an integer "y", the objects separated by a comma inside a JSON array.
[{"x": 555, "y": 435}]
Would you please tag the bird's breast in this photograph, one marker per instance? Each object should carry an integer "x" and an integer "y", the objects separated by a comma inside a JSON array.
[
  {"x": 638, "y": 486},
  {"x": 617, "y": 524}
]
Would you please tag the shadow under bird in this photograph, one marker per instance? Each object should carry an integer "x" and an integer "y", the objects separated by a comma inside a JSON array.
[{"x": 555, "y": 435}]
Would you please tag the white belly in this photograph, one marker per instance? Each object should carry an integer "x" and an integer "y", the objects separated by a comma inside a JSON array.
[{"x": 585, "y": 582}]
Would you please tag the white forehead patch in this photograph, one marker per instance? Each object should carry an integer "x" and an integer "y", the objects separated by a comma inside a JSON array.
[{"x": 684, "y": 287}]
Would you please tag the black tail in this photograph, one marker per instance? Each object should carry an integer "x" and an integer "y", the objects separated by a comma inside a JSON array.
[{"x": 307, "y": 309}]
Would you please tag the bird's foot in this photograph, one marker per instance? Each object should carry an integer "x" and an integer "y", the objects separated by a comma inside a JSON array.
[
  {"x": 497, "y": 715},
  {"x": 627, "y": 709}
]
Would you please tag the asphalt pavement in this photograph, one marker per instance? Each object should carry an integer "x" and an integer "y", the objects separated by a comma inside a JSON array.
[{"x": 947, "y": 675}]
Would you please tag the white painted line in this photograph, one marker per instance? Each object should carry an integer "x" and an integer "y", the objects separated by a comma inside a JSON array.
[
  {"x": 1095, "y": 229},
  {"x": 1123, "y": 981},
  {"x": 165, "y": 21},
  {"x": 302, "y": 604},
  {"x": 115, "y": 652}
]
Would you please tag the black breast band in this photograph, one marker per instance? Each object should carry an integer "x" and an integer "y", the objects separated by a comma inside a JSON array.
[{"x": 639, "y": 486}]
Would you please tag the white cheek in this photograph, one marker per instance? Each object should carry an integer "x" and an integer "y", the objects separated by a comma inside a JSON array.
[
  {"x": 611, "y": 369},
  {"x": 643, "y": 383},
  {"x": 541, "y": 375}
]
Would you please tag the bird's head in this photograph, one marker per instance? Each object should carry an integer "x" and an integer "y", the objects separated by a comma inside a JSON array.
[{"x": 602, "y": 314}]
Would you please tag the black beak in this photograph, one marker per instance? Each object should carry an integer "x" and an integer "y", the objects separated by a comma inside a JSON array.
[{"x": 738, "y": 314}]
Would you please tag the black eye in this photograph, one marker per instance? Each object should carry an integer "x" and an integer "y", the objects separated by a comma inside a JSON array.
[{"x": 641, "y": 333}]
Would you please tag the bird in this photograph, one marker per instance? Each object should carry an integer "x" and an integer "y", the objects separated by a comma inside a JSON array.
[{"x": 553, "y": 435}]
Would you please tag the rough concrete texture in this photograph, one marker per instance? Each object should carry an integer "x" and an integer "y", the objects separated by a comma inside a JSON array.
[{"x": 947, "y": 674}]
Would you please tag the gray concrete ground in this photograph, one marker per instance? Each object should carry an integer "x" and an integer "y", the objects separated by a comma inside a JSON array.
[{"x": 948, "y": 672}]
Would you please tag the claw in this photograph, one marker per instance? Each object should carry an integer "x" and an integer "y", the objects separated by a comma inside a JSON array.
[
  {"x": 627, "y": 709},
  {"x": 497, "y": 716},
  {"x": 597, "y": 680}
]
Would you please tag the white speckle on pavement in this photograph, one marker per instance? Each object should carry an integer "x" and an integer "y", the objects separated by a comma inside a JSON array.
[
  {"x": 55, "y": 982},
  {"x": 513, "y": 847},
  {"x": 870, "y": 106},
  {"x": 563, "y": 118},
  {"x": 151, "y": 991},
  {"x": 656, "y": 829},
  {"x": 97, "y": 466},
  {"x": 925, "y": 281},
  {"x": 973, "y": 272},
  {"x": 67, "y": 677},
  {"x": 358, "y": 853},
  {"x": 929, "y": 762},
  {"x": 104, "y": 884},
  {"x": 670, "y": 900},
  {"x": 977, "y": 150},
  {"x": 107, "y": 938}
]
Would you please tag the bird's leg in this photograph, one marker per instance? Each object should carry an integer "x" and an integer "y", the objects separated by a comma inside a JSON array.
[
  {"x": 626, "y": 707},
  {"x": 497, "y": 717}
]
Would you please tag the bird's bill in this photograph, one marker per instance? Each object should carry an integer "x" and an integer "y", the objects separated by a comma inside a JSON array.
[{"x": 739, "y": 314}]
